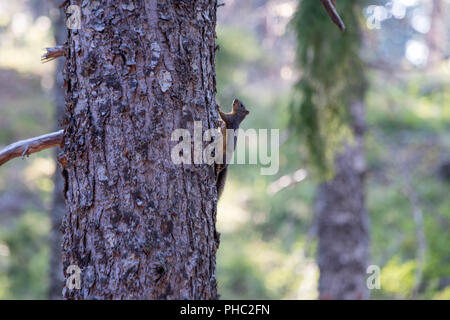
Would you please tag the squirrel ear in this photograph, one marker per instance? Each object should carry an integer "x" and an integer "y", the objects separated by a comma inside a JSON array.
[{"x": 235, "y": 105}]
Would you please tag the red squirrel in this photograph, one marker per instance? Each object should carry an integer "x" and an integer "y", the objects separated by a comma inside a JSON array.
[{"x": 230, "y": 121}]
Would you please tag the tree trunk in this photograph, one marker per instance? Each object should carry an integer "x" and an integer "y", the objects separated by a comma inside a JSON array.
[
  {"x": 343, "y": 221},
  {"x": 138, "y": 226},
  {"x": 437, "y": 36},
  {"x": 56, "y": 277}
]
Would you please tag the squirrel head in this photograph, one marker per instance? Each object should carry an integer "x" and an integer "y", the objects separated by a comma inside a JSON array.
[
  {"x": 235, "y": 117},
  {"x": 239, "y": 108}
]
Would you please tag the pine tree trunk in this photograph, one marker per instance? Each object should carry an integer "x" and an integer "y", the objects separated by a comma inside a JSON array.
[
  {"x": 138, "y": 226},
  {"x": 343, "y": 221}
]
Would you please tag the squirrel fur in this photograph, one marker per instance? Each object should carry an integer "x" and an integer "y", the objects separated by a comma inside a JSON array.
[{"x": 231, "y": 121}]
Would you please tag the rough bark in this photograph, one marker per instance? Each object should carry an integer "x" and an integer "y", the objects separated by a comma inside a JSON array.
[
  {"x": 343, "y": 221},
  {"x": 56, "y": 276},
  {"x": 138, "y": 226}
]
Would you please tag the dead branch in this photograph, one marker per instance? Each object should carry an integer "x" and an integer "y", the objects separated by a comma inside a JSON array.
[
  {"x": 26, "y": 147},
  {"x": 332, "y": 12},
  {"x": 53, "y": 53},
  {"x": 287, "y": 181}
]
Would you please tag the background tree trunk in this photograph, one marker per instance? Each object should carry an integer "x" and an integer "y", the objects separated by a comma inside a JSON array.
[
  {"x": 343, "y": 221},
  {"x": 56, "y": 276},
  {"x": 437, "y": 36},
  {"x": 138, "y": 226}
]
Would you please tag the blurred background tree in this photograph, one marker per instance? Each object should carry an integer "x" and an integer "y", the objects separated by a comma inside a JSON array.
[
  {"x": 58, "y": 209},
  {"x": 329, "y": 112},
  {"x": 269, "y": 244}
]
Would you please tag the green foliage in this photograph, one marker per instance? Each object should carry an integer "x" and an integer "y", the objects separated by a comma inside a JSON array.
[
  {"x": 418, "y": 105},
  {"x": 24, "y": 268},
  {"x": 239, "y": 276},
  {"x": 399, "y": 113},
  {"x": 231, "y": 53},
  {"x": 443, "y": 295},
  {"x": 332, "y": 76},
  {"x": 397, "y": 278}
]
